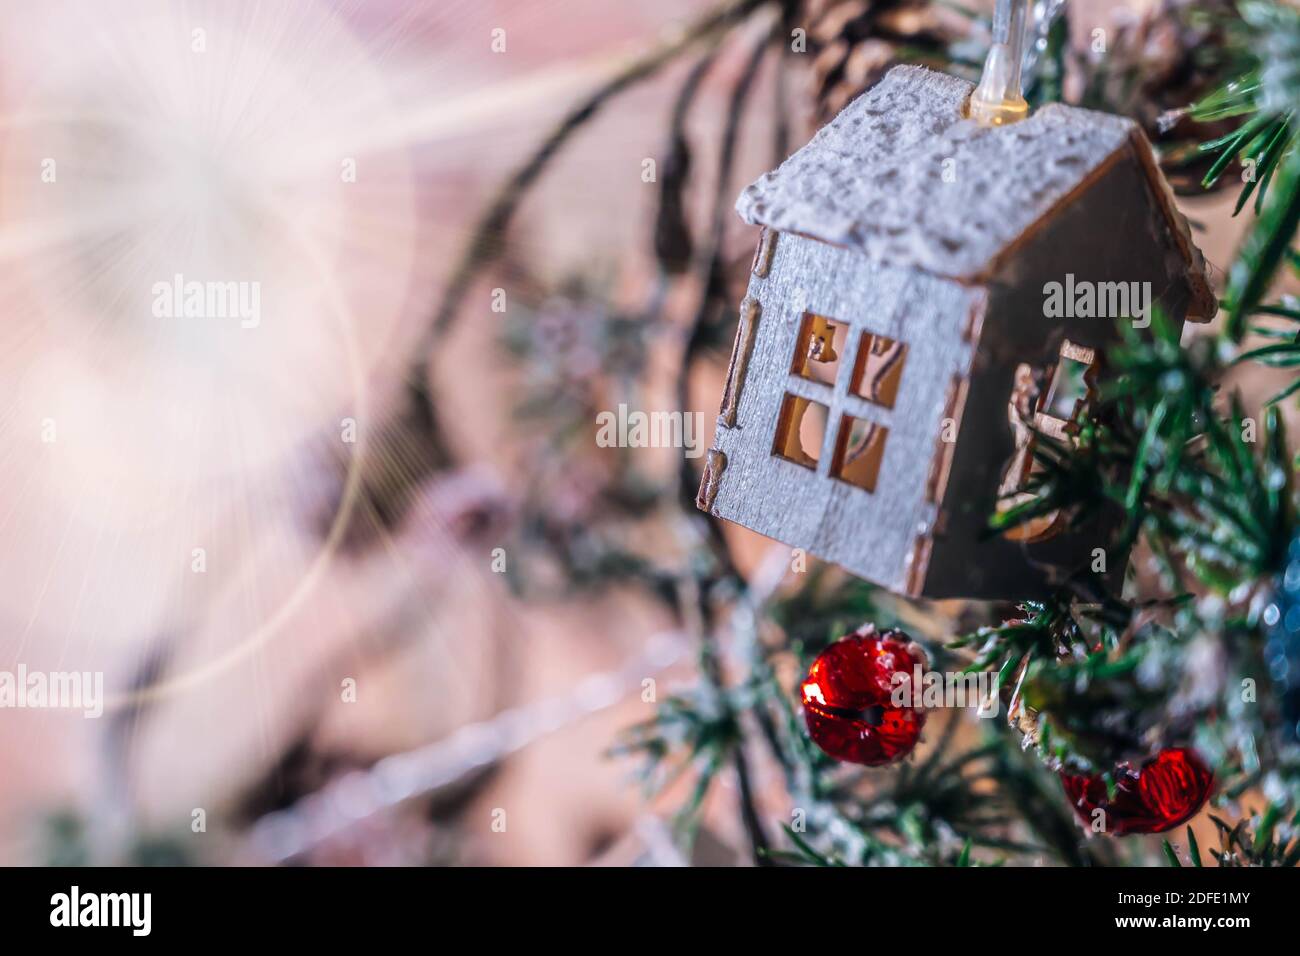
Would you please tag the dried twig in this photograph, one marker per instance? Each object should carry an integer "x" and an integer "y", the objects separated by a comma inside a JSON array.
[
  {"x": 713, "y": 292},
  {"x": 487, "y": 241}
]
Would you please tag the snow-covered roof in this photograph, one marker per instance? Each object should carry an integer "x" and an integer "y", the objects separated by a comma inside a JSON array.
[{"x": 873, "y": 179}]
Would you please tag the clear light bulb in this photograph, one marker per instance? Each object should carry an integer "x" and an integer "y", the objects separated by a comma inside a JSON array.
[{"x": 998, "y": 99}]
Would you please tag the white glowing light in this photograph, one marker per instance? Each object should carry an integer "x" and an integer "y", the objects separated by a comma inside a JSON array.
[{"x": 227, "y": 143}]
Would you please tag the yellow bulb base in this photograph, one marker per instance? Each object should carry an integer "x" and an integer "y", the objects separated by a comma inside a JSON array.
[
  {"x": 998, "y": 101},
  {"x": 999, "y": 112}
]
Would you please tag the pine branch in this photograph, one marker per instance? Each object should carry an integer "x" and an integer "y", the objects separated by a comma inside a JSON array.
[
  {"x": 1188, "y": 478},
  {"x": 1263, "y": 95}
]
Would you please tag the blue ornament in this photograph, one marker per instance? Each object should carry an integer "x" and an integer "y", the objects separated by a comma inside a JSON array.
[{"x": 1282, "y": 649}]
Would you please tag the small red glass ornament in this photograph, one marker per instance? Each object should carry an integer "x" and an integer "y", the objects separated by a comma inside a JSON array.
[
  {"x": 851, "y": 699},
  {"x": 1168, "y": 790}
]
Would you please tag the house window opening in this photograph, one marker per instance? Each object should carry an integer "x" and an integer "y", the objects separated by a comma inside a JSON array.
[
  {"x": 1073, "y": 382},
  {"x": 818, "y": 348},
  {"x": 800, "y": 429},
  {"x": 878, "y": 369},
  {"x": 1044, "y": 402},
  {"x": 859, "y": 451}
]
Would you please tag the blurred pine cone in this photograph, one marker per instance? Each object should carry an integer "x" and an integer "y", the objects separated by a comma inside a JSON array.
[
  {"x": 853, "y": 43},
  {"x": 1161, "y": 58}
]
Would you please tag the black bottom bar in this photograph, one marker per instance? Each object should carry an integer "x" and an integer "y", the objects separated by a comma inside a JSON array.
[{"x": 440, "y": 905}]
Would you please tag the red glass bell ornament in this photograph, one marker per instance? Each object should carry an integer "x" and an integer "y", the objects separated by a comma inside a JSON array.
[
  {"x": 1166, "y": 791},
  {"x": 851, "y": 697}
]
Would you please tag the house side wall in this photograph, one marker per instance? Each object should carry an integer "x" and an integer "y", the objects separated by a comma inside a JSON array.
[
  {"x": 1112, "y": 232},
  {"x": 873, "y": 534}
]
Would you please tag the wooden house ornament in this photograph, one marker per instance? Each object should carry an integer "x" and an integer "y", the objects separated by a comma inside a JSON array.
[{"x": 897, "y": 332}]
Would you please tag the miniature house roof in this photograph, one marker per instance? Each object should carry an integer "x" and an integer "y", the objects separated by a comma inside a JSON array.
[{"x": 873, "y": 179}]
